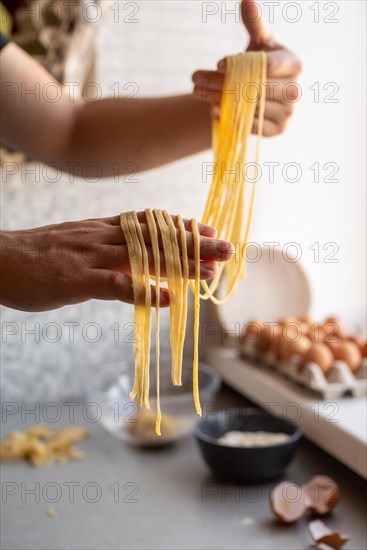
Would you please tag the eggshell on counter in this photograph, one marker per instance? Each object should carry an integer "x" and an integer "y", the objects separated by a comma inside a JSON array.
[
  {"x": 323, "y": 493},
  {"x": 324, "y": 537},
  {"x": 288, "y": 502}
]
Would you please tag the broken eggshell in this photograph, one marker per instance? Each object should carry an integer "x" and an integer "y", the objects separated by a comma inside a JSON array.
[
  {"x": 321, "y": 534},
  {"x": 288, "y": 502},
  {"x": 322, "y": 494}
]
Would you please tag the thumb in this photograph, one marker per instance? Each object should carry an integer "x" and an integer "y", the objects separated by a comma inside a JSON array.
[{"x": 251, "y": 16}]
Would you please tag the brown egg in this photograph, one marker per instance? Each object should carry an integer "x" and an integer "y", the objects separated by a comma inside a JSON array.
[
  {"x": 288, "y": 502},
  {"x": 252, "y": 330},
  {"x": 332, "y": 344},
  {"x": 334, "y": 327},
  {"x": 359, "y": 340},
  {"x": 348, "y": 352},
  {"x": 317, "y": 334},
  {"x": 306, "y": 320},
  {"x": 287, "y": 320},
  {"x": 277, "y": 346},
  {"x": 321, "y": 355},
  {"x": 267, "y": 337},
  {"x": 323, "y": 494},
  {"x": 332, "y": 319},
  {"x": 305, "y": 328},
  {"x": 292, "y": 331},
  {"x": 364, "y": 350},
  {"x": 299, "y": 347}
]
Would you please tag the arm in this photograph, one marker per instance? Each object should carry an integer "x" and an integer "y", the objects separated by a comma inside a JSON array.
[{"x": 146, "y": 132}]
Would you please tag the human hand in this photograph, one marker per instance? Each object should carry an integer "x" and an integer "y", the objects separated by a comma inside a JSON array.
[
  {"x": 283, "y": 70},
  {"x": 54, "y": 266}
]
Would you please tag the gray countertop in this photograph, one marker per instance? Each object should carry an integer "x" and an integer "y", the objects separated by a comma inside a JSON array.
[{"x": 164, "y": 498}]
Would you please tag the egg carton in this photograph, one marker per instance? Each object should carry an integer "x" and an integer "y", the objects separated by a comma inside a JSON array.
[{"x": 339, "y": 380}]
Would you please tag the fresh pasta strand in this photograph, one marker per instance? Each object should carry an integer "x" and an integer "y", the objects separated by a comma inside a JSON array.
[
  {"x": 195, "y": 373},
  {"x": 157, "y": 270},
  {"x": 185, "y": 283},
  {"x": 177, "y": 361},
  {"x": 170, "y": 268},
  {"x": 139, "y": 303},
  {"x": 148, "y": 310}
]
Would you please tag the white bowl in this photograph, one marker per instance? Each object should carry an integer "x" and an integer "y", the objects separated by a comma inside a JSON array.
[{"x": 110, "y": 386}]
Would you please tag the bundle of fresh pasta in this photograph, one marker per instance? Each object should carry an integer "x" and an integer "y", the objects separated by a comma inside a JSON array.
[
  {"x": 226, "y": 210},
  {"x": 160, "y": 224}
]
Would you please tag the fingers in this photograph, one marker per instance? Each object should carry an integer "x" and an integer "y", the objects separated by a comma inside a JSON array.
[
  {"x": 209, "y": 94},
  {"x": 270, "y": 128},
  {"x": 210, "y": 249},
  {"x": 277, "y": 112},
  {"x": 280, "y": 63},
  {"x": 104, "y": 284},
  {"x": 209, "y": 86},
  {"x": 117, "y": 258},
  {"x": 284, "y": 90},
  {"x": 215, "y": 111},
  {"x": 283, "y": 63},
  {"x": 281, "y": 95},
  {"x": 205, "y": 230},
  {"x": 280, "y": 91},
  {"x": 222, "y": 66},
  {"x": 255, "y": 25},
  {"x": 215, "y": 78}
]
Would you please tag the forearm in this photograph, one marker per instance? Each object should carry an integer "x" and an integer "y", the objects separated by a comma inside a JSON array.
[
  {"x": 118, "y": 134},
  {"x": 123, "y": 136}
]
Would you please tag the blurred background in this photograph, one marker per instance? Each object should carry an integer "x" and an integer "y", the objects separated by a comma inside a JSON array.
[{"x": 316, "y": 198}]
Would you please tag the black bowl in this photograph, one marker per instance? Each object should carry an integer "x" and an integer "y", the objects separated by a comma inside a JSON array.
[{"x": 249, "y": 464}]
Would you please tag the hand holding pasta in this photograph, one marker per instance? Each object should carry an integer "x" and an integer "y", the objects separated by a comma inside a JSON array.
[
  {"x": 283, "y": 70},
  {"x": 58, "y": 265}
]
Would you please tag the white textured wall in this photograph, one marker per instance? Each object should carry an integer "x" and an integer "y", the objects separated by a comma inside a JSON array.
[{"x": 159, "y": 53}]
